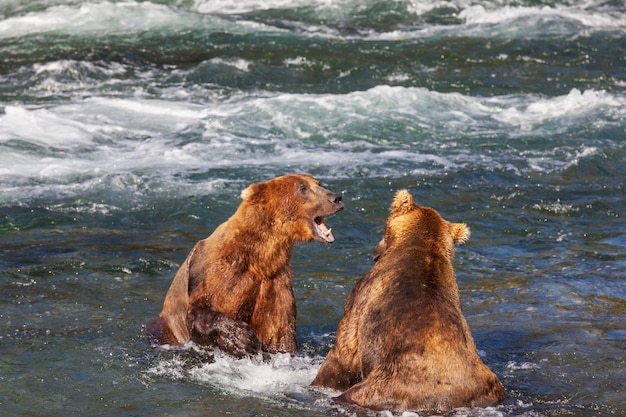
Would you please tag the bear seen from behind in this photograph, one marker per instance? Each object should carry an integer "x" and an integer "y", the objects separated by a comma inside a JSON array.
[{"x": 403, "y": 343}]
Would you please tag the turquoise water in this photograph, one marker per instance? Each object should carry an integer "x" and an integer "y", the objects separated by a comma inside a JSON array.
[{"x": 128, "y": 130}]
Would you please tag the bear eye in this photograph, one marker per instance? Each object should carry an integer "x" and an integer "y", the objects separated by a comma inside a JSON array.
[{"x": 302, "y": 188}]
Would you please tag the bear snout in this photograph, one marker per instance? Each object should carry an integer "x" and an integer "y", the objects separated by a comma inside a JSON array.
[{"x": 336, "y": 199}]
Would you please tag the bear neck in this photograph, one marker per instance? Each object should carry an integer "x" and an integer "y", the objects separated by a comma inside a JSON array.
[
  {"x": 428, "y": 265},
  {"x": 267, "y": 249}
]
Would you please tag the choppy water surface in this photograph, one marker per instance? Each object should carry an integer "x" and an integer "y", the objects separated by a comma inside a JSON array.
[{"x": 128, "y": 130}]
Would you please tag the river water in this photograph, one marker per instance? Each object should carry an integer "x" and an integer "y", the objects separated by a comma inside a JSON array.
[{"x": 129, "y": 128}]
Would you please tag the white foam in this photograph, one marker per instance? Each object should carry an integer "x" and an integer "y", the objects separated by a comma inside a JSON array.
[
  {"x": 41, "y": 126},
  {"x": 122, "y": 17},
  {"x": 92, "y": 144},
  {"x": 493, "y": 19},
  {"x": 115, "y": 18},
  {"x": 574, "y": 105},
  {"x": 230, "y": 7},
  {"x": 568, "y": 158},
  {"x": 129, "y": 17},
  {"x": 504, "y": 15},
  {"x": 239, "y": 64},
  {"x": 135, "y": 141},
  {"x": 324, "y": 8},
  {"x": 512, "y": 366},
  {"x": 470, "y": 13},
  {"x": 67, "y": 65},
  {"x": 555, "y": 207},
  {"x": 281, "y": 377},
  {"x": 281, "y": 373}
]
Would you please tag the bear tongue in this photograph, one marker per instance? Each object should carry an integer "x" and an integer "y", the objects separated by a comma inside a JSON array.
[{"x": 324, "y": 232}]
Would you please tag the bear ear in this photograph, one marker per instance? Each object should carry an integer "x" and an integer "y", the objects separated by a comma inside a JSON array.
[
  {"x": 246, "y": 193},
  {"x": 402, "y": 202},
  {"x": 379, "y": 249},
  {"x": 251, "y": 190},
  {"x": 460, "y": 232}
]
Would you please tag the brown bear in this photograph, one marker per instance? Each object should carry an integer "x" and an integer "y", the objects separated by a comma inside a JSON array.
[
  {"x": 403, "y": 343},
  {"x": 234, "y": 290}
]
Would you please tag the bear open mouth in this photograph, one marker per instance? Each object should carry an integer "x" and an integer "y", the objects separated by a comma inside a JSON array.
[{"x": 322, "y": 231}]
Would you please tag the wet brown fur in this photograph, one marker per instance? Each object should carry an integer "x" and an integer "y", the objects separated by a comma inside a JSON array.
[
  {"x": 234, "y": 290},
  {"x": 403, "y": 343}
]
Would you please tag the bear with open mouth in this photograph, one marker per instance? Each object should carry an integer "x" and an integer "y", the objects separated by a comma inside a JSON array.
[{"x": 234, "y": 291}]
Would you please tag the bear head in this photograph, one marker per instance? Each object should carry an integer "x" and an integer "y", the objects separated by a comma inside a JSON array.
[
  {"x": 296, "y": 205},
  {"x": 410, "y": 224}
]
